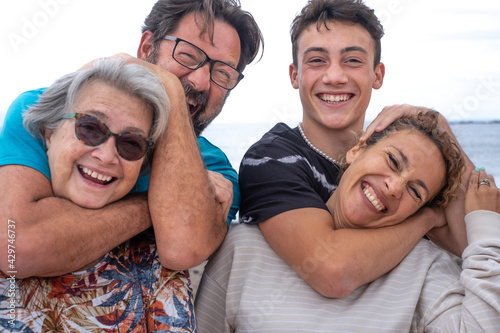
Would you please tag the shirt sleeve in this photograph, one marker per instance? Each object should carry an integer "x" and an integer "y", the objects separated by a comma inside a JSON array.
[
  {"x": 471, "y": 304},
  {"x": 215, "y": 160},
  {"x": 17, "y": 145},
  {"x": 276, "y": 175}
]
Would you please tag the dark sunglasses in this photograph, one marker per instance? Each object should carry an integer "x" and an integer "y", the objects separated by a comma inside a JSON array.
[{"x": 93, "y": 132}]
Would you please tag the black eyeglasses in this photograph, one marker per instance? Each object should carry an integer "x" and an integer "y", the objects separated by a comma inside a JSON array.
[
  {"x": 192, "y": 57},
  {"x": 93, "y": 132}
]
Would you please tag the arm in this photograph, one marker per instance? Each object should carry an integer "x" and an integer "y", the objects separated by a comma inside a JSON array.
[
  {"x": 53, "y": 236},
  {"x": 335, "y": 262},
  {"x": 188, "y": 219},
  {"x": 189, "y": 206},
  {"x": 471, "y": 303},
  {"x": 452, "y": 236},
  {"x": 289, "y": 194}
]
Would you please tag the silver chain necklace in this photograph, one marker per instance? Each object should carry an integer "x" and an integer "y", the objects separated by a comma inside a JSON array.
[{"x": 313, "y": 147}]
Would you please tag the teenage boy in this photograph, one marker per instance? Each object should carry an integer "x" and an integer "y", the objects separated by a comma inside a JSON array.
[{"x": 260, "y": 280}]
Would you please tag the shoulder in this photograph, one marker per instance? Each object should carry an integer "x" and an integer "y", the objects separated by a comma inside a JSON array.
[
  {"x": 280, "y": 134},
  {"x": 280, "y": 141},
  {"x": 21, "y": 104},
  {"x": 211, "y": 153},
  {"x": 29, "y": 97},
  {"x": 215, "y": 159},
  {"x": 243, "y": 249}
]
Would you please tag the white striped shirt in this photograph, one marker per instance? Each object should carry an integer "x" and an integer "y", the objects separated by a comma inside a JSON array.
[{"x": 247, "y": 287}]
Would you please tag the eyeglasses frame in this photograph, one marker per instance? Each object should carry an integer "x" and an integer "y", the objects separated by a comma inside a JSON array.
[
  {"x": 78, "y": 115},
  {"x": 207, "y": 59}
]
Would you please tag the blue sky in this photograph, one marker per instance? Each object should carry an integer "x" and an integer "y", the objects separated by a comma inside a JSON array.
[{"x": 442, "y": 54}]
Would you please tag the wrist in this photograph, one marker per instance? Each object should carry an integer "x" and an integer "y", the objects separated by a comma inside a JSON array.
[{"x": 429, "y": 218}]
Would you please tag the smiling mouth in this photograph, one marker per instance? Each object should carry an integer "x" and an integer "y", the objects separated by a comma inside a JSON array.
[
  {"x": 193, "y": 105},
  {"x": 95, "y": 177},
  {"x": 372, "y": 197},
  {"x": 335, "y": 99}
]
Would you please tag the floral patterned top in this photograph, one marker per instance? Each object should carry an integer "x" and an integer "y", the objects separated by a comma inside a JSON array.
[{"x": 127, "y": 291}]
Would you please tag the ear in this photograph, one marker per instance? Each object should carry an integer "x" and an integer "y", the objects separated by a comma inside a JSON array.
[
  {"x": 352, "y": 154},
  {"x": 145, "y": 46},
  {"x": 293, "y": 76},
  {"x": 47, "y": 134},
  {"x": 379, "y": 76}
]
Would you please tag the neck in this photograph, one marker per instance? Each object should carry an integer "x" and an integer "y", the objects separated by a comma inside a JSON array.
[
  {"x": 332, "y": 143},
  {"x": 334, "y": 207}
]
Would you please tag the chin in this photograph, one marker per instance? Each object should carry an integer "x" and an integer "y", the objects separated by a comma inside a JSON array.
[
  {"x": 91, "y": 204},
  {"x": 88, "y": 201}
]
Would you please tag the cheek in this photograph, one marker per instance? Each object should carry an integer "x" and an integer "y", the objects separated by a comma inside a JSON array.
[
  {"x": 217, "y": 95},
  {"x": 131, "y": 171},
  {"x": 63, "y": 154},
  {"x": 62, "y": 159},
  {"x": 409, "y": 206}
]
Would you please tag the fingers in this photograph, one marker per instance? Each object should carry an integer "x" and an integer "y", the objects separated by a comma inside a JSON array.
[
  {"x": 484, "y": 179},
  {"x": 223, "y": 191},
  {"x": 387, "y": 116},
  {"x": 482, "y": 193},
  {"x": 91, "y": 63},
  {"x": 474, "y": 176}
]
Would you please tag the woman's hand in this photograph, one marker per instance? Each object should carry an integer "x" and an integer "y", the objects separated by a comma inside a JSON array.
[{"x": 482, "y": 192}]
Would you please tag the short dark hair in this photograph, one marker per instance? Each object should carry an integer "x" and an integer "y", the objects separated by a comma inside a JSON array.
[
  {"x": 322, "y": 11},
  {"x": 166, "y": 15}
]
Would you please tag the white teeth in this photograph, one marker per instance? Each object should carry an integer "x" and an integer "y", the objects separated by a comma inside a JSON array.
[
  {"x": 334, "y": 98},
  {"x": 378, "y": 206},
  {"x": 192, "y": 102},
  {"x": 96, "y": 175}
]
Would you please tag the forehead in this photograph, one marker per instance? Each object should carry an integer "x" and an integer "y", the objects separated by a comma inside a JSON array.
[
  {"x": 110, "y": 103},
  {"x": 225, "y": 45},
  {"x": 335, "y": 37}
]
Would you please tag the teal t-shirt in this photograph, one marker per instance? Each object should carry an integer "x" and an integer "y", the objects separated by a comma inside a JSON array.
[{"x": 17, "y": 146}]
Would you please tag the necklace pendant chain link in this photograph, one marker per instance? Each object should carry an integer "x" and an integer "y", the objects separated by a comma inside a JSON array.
[{"x": 314, "y": 148}]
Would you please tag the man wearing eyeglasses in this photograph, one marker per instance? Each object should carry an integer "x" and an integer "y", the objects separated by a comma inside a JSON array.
[{"x": 187, "y": 205}]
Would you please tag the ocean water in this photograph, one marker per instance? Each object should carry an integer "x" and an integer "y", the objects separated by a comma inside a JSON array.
[
  {"x": 481, "y": 143},
  {"x": 479, "y": 140}
]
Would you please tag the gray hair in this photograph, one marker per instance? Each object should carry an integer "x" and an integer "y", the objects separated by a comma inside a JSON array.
[{"x": 59, "y": 99}]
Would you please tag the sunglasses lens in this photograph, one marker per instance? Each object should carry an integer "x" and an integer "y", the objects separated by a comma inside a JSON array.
[
  {"x": 131, "y": 146},
  {"x": 91, "y": 131}
]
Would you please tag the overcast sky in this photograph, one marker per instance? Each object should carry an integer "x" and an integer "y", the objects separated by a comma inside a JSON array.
[{"x": 438, "y": 53}]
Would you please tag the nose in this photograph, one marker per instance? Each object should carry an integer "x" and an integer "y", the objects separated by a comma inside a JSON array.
[
  {"x": 106, "y": 152},
  {"x": 200, "y": 78},
  {"x": 394, "y": 186},
  {"x": 335, "y": 75}
]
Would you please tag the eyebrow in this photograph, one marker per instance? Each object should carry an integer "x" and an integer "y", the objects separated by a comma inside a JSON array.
[
  {"x": 316, "y": 49},
  {"x": 343, "y": 51},
  {"x": 103, "y": 117},
  {"x": 353, "y": 49},
  {"x": 405, "y": 163}
]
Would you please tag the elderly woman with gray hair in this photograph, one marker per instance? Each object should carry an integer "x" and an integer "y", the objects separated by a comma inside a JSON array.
[{"x": 99, "y": 126}]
